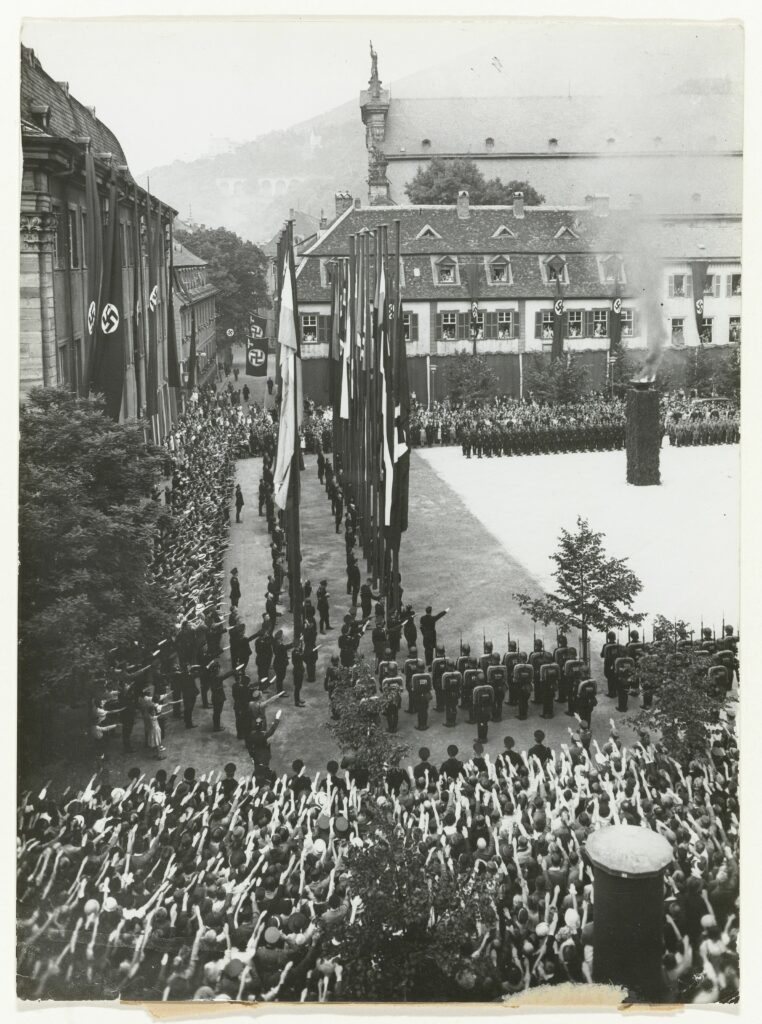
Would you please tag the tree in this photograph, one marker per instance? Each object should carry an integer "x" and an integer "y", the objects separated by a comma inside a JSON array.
[
  {"x": 469, "y": 378},
  {"x": 417, "y": 918},
  {"x": 238, "y": 270},
  {"x": 594, "y": 590},
  {"x": 686, "y": 704},
  {"x": 560, "y": 380},
  {"x": 669, "y": 631},
  {"x": 86, "y": 532},
  {"x": 440, "y": 182},
  {"x": 357, "y": 728}
]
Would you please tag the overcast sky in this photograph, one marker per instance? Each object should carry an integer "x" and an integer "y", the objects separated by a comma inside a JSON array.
[{"x": 169, "y": 88}]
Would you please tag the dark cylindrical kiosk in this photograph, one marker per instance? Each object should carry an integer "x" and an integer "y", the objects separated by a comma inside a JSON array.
[
  {"x": 643, "y": 434},
  {"x": 628, "y": 889}
]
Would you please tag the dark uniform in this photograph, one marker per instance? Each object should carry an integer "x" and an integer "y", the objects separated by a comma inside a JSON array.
[
  {"x": 496, "y": 678},
  {"x": 451, "y": 684},
  {"x": 483, "y": 699},
  {"x": 522, "y": 677},
  {"x": 323, "y": 606},
  {"x": 309, "y": 641},
  {"x": 392, "y": 691},
  {"x": 421, "y": 683},
  {"x": 438, "y": 667},
  {"x": 428, "y": 626},
  {"x": 609, "y": 653},
  {"x": 297, "y": 663}
]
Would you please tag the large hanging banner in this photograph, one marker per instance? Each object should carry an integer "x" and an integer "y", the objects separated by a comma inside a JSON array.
[{"x": 256, "y": 357}]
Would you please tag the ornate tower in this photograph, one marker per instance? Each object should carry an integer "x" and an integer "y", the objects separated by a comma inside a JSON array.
[{"x": 374, "y": 108}]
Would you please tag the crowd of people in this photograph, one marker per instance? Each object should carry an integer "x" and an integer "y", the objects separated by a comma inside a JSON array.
[{"x": 229, "y": 885}]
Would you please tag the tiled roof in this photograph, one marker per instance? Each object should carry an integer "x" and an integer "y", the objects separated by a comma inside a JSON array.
[
  {"x": 69, "y": 118},
  {"x": 535, "y": 237},
  {"x": 183, "y": 257},
  {"x": 683, "y": 121}
]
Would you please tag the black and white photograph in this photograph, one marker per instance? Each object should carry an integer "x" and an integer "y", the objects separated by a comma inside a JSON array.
[{"x": 379, "y": 511}]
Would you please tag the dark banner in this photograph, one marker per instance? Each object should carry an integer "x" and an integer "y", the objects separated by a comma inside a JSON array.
[
  {"x": 256, "y": 357},
  {"x": 110, "y": 327},
  {"x": 698, "y": 272},
  {"x": 615, "y": 325},
  {"x": 257, "y": 326},
  {"x": 558, "y": 329}
]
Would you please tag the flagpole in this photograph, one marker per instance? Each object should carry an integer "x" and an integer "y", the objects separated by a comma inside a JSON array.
[
  {"x": 399, "y": 332},
  {"x": 294, "y": 505}
]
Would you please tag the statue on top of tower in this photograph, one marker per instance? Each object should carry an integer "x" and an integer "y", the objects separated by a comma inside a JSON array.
[{"x": 373, "y": 81}]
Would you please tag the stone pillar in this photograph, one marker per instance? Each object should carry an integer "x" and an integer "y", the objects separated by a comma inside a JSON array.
[
  {"x": 628, "y": 886},
  {"x": 37, "y": 333},
  {"x": 643, "y": 435}
]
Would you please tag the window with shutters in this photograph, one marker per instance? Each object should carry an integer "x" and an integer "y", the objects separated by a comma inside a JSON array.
[
  {"x": 679, "y": 286},
  {"x": 678, "y": 336},
  {"x": 449, "y": 326},
  {"x": 73, "y": 238},
  {"x": 506, "y": 324},
  {"x": 543, "y": 324},
  {"x": 500, "y": 270},
  {"x": 575, "y": 323},
  {"x": 309, "y": 323},
  {"x": 600, "y": 323},
  {"x": 734, "y": 329},
  {"x": 706, "y": 333},
  {"x": 734, "y": 284},
  {"x": 712, "y": 285},
  {"x": 410, "y": 326},
  {"x": 323, "y": 329},
  {"x": 628, "y": 323}
]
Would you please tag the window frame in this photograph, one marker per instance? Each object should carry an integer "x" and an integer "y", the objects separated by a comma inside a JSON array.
[
  {"x": 546, "y": 269},
  {"x": 627, "y": 316},
  {"x": 447, "y": 262},
  {"x": 672, "y": 329},
  {"x": 734, "y": 321},
  {"x": 303, "y": 329},
  {"x": 707, "y": 322},
  {"x": 580, "y": 313},
  {"x": 454, "y": 324}
]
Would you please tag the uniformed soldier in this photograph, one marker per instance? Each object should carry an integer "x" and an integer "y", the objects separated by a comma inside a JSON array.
[
  {"x": 421, "y": 683},
  {"x": 378, "y": 638},
  {"x": 387, "y": 667},
  {"x": 311, "y": 647},
  {"x": 573, "y": 677},
  {"x": 610, "y": 652},
  {"x": 497, "y": 679},
  {"x": 523, "y": 677},
  {"x": 483, "y": 699},
  {"x": 347, "y": 646},
  {"x": 323, "y": 606},
  {"x": 409, "y": 668},
  {"x": 451, "y": 685},
  {"x": 472, "y": 678},
  {"x": 463, "y": 660},
  {"x": 625, "y": 669},
  {"x": 549, "y": 677},
  {"x": 297, "y": 664},
  {"x": 409, "y": 629},
  {"x": 240, "y": 692},
  {"x": 438, "y": 667},
  {"x": 536, "y": 660},
  {"x": 391, "y": 688},
  {"x": 586, "y": 697},
  {"x": 332, "y": 676},
  {"x": 511, "y": 659},
  {"x": 428, "y": 624},
  {"x": 489, "y": 658},
  {"x": 561, "y": 655},
  {"x": 367, "y": 597},
  {"x": 353, "y": 578}
]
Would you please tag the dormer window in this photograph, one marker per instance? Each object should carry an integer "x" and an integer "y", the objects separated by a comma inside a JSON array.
[
  {"x": 552, "y": 143},
  {"x": 426, "y": 144},
  {"x": 555, "y": 270},
  {"x": 427, "y": 231},
  {"x": 611, "y": 269},
  {"x": 502, "y": 232},
  {"x": 500, "y": 270},
  {"x": 447, "y": 270},
  {"x": 566, "y": 233},
  {"x": 489, "y": 142},
  {"x": 40, "y": 115}
]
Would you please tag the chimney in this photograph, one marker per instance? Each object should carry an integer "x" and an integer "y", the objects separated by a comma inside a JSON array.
[
  {"x": 518, "y": 204},
  {"x": 463, "y": 211},
  {"x": 343, "y": 202},
  {"x": 323, "y": 221},
  {"x": 64, "y": 86},
  {"x": 601, "y": 205},
  {"x": 291, "y": 213},
  {"x": 358, "y": 203}
]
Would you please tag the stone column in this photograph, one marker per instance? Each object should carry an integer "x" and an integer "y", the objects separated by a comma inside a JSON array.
[
  {"x": 643, "y": 435},
  {"x": 628, "y": 886},
  {"x": 37, "y": 333}
]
